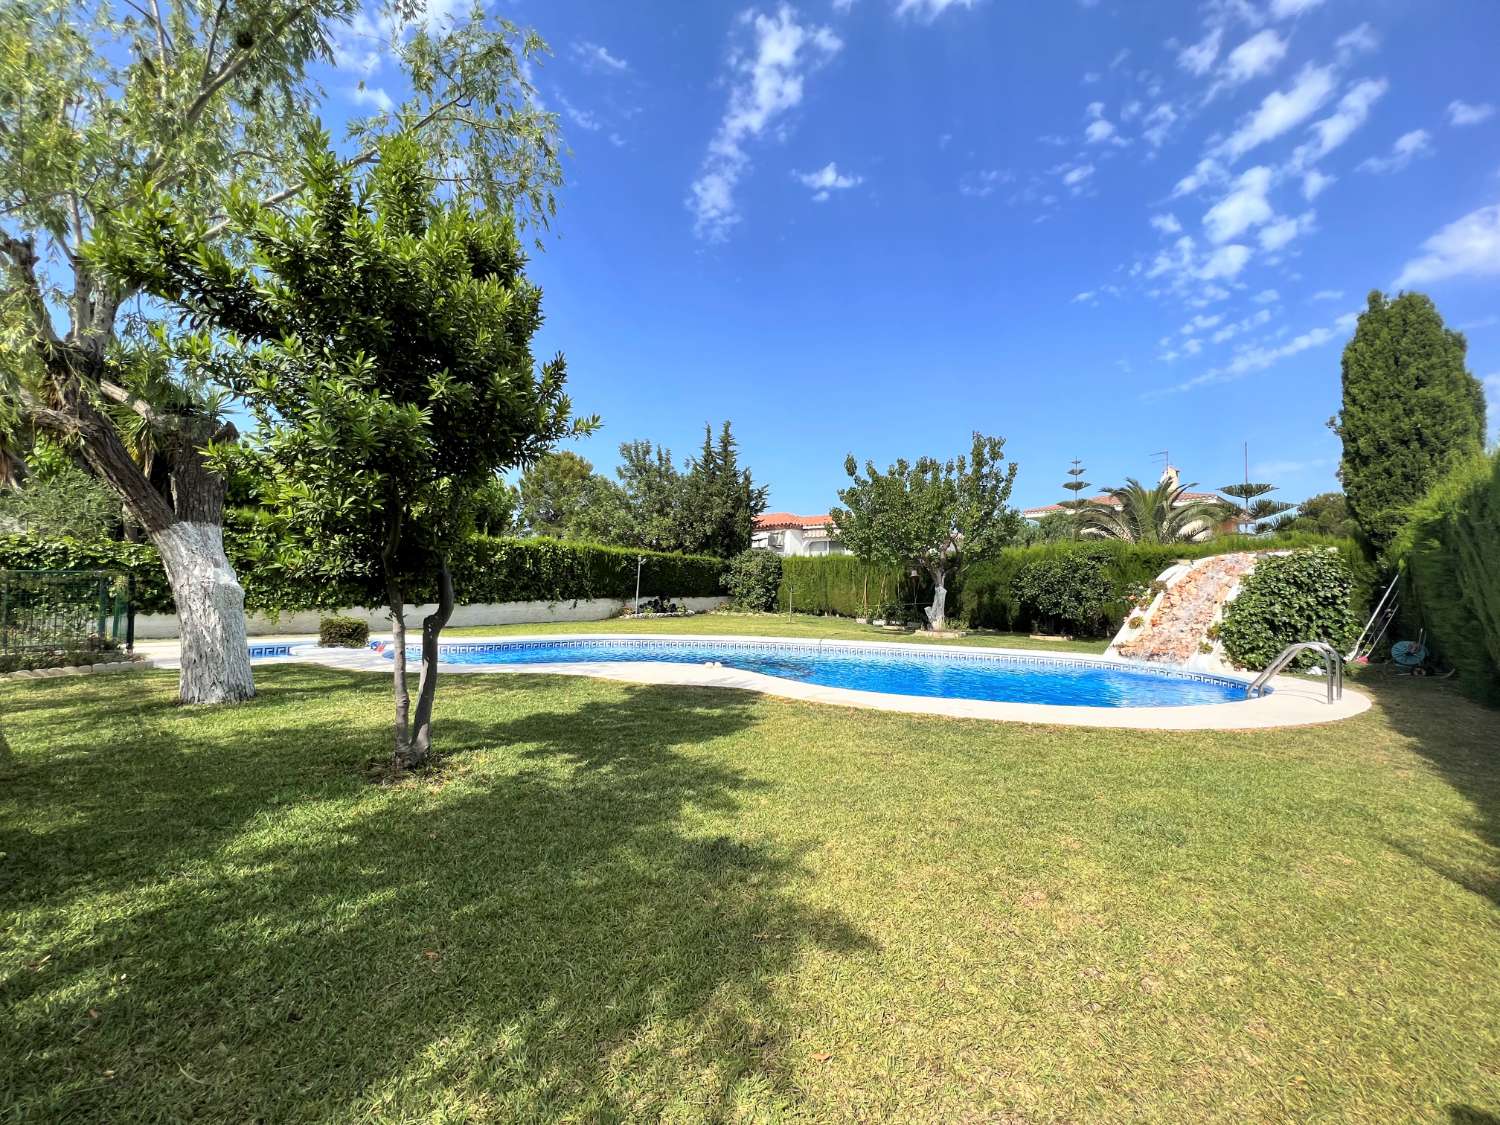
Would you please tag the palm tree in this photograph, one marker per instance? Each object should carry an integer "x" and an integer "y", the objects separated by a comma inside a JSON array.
[{"x": 1152, "y": 515}]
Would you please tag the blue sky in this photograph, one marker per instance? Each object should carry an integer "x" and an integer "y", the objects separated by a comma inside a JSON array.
[{"x": 1100, "y": 229}]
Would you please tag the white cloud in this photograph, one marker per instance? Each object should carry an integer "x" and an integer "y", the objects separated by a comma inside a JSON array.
[
  {"x": 1275, "y": 235},
  {"x": 1281, "y": 110},
  {"x": 1266, "y": 297},
  {"x": 766, "y": 83},
  {"x": 1407, "y": 148},
  {"x": 1327, "y": 295},
  {"x": 1356, "y": 41},
  {"x": 1206, "y": 171},
  {"x": 826, "y": 180},
  {"x": 1224, "y": 263},
  {"x": 979, "y": 184},
  {"x": 1244, "y": 207},
  {"x": 1255, "y": 56},
  {"x": 593, "y": 57},
  {"x": 1157, "y": 124},
  {"x": 1199, "y": 57},
  {"x": 1467, "y": 247},
  {"x": 1462, "y": 113},
  {"x": 1281, "y": 9},
  {"x": 1239, "y": 327},
  {"x": 1098, "y": 132},
  {"x": 842, "y": 5},
  {"x": 1074, "y": 175},
  {"x": 372, "y": 96},
  {"x": 1314, "y": 184},
  {"x": 929, "y": 10},
  {"x": 1329, "y": 132},
  {"x": 1201, "y": 323},
  {"x": 1166, "y": 224},
  {"x": 1258, "y": 358},
  {"x": 580, "y": 117}
]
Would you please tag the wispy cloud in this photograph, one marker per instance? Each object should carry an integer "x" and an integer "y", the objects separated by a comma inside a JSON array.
[
  {"x": 826, "y": 180},
  {"x": 1462, "y": 113},
  {"x": 1198, "y": 58},
  {"x": 580, "y": 117},
  {"x": 979, "y": 184},
  {"x": 1282, "y": 9},
  {"x": 1280, "y": 111},
  {"x": 593, "y": 57},
  {"x": 1245, "y": 206},
  {"x": 372, "y": 96},
  {"x": 1255, "y": 56},
  {"x": 1467, "y": 247},
  {"x": 1259, "y": 357},
  {"x": 1407, "y": 148},
  {"x": 929, "y": 10},
  {"x": 767, "y": 77},
  {"x": 1352, "y": 111}
]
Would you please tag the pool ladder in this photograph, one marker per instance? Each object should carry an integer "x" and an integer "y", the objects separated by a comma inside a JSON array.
[{"x": 1333, "y": 664}]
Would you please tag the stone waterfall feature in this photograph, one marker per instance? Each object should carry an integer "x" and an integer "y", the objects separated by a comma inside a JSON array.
[{"x": 1175, "y": 627}]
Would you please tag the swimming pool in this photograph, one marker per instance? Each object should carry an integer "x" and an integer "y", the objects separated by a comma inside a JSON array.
[{"x": 888, "y": 669}]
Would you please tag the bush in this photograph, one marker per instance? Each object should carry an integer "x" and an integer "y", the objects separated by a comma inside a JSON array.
[
  {"x": 1303, "y": 596},
  {"x": 752, "y": 579},
  {"x": 1067, "y": 592},
  {"x": 1450, "y": 555},
  {"x": 59, "y": 658},
  {"x": 343, "y": 632},
  {"x": 843, "y": 585}
]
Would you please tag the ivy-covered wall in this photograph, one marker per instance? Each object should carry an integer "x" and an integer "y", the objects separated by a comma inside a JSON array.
[{"x": 487, "y": 570}]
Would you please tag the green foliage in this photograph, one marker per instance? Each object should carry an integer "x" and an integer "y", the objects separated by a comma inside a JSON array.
[
  {"x": 1411, "y": 410},
  {"x": 1304, "y": 596},
  {"x": 1054, "y": 527},
  {"x": 990, "y": 598},
  {"x": 1450, "y": 552},
  {"x": 849, "y": 587},
  {"x": 1327, "y": 513},
  {"x": 343, "y": 632},
  {"x": 752, "y": 579},
  {"x": 553, "y": 493},
  {"x": 1069, "y": 591},
  {"x": 152, "y": 594},
  {"x": 1152, "y": 515},
  {"x": 58, "y": 500},
  {"x": 58, "y": 658},
  {"x": 1254, "y": 510}
]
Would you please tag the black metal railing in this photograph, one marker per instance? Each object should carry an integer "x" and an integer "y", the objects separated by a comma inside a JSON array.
[{"x": 63, "y": 610}]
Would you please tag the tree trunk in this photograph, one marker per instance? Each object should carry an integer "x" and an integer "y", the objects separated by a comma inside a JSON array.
[
  {"x": 399, "y": 693},
  {"x": 210, "y": 613},
  {"x": 935, "y": 611},
  {"x": 432, "y": 626}
]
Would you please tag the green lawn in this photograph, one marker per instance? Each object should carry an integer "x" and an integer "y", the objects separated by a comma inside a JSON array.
[
  {"x": 616, "y": 902},
  {"x": 777, "y": 625}
]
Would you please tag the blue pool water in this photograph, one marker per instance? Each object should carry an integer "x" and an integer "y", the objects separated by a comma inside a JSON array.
[{"x": 905, "y": 671}]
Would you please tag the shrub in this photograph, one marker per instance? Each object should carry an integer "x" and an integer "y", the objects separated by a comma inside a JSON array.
[
  {"x": 753, "y": 578},
  {"x": 1450, "y": 553},
  {"x": 1069, "y": 591},
  {"x": 58, "y": 658},
  {"x": 343, "y": 632},
  {"x": 1302, "y": 596},
  {"x": 844, "y": 585}
]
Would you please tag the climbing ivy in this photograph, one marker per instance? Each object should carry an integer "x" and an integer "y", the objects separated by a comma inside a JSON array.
[{"x": 1302, "y": 596}]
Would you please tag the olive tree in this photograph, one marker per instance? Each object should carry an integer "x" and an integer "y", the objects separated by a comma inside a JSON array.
[
  {"x": 383, "y": 341},
  {"x": 920, "y": 515},
  {"x": 103, "y": 106}
]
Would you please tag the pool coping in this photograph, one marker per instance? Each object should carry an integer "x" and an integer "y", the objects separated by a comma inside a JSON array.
[{"x": 1292, "y": 702}]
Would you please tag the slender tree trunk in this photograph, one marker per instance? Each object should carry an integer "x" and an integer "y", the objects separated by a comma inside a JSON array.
[
  {"x": 432, "y": 626},
  {"x": 400, "y": 695},
  {"x": 935, "y": 612}
]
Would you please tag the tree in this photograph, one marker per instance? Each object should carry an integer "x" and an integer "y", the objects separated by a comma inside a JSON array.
[
  {"x": 98, "y": 112},
  {"x": 552, "y": 491},
  {"x": 383, "y": 341},
  {"x": 1411, "y": 411},
  {"x": 1075, "y": 487},
  {"x": 495, "y": 504},
  {"x": 1323, "y": 514},
  {"x": 920, "y": 515},
  {"x": 58, "y": 500},
  {"x": 652, "y": 489},
  {"x": 719, "y": 499},
  {"x": 1152, "y": 515},
  {"x": 1253, "y": 510}
]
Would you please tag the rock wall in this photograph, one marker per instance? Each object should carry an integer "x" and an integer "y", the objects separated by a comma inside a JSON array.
[{"x": 1174, "y": 628}]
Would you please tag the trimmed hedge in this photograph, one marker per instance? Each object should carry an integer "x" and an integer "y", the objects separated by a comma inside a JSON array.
[
  {"x": 1450, "y": 556},
  {"x": 1304, "y": 596},
  {"x": 485, "y": 570},
  {"x": 842, "y": 585},
  {"x": 343, "y": 632}
]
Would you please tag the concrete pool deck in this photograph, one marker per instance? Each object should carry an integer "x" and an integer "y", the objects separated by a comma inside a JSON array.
[{"x": 1293, "y": 702}]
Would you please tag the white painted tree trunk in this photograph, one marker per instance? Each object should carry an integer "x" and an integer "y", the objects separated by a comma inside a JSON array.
[
  {"x": 935, "y": 612},
  {"x": 210, "y": 612}
]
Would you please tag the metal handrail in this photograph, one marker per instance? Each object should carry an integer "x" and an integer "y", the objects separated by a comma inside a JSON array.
[{"x": 1333, "y": 664}]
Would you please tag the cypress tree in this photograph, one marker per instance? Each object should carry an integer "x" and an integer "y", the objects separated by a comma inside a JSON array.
[{"x": 1411, "y": 410}]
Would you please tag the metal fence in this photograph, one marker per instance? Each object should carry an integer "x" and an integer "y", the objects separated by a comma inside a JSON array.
[{"x": 63, "y": 611}]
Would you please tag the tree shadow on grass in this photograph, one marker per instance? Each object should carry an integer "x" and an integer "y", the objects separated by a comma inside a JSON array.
[
  {"x": 561, "y": 921},
  {"x": 1461, "y": 740}
]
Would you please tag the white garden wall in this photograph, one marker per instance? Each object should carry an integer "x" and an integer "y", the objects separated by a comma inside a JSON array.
[{"x": 161, "y": 626}]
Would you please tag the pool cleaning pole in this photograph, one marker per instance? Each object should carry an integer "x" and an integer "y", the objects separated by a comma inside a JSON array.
[{"x": 639, "y": 559}]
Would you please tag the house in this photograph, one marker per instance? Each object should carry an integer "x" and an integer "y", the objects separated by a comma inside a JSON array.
[
  {"x": 1169, "y": 475},
  {"x": 798, "y": 536}
]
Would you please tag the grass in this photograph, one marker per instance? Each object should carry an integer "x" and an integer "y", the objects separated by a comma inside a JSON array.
[
  {"x": 777, "y": 625},
  {"x": 613, "y": 902}
]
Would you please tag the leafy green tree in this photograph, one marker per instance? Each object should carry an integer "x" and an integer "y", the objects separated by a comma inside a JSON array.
[
  {"x": 719, "y": 499},
  {"x": 1153, "y": 515},
  {"x": 920, "y": 515},
  {"x": 1253, "y": 509},
  {"x": 383, "y": 341},
  {"x": 1411, "y": 411},
  {"x": 652, "y": 488},
  {"x": 552, "y": 493},
  {"x": 58, "y": 500},
  {"x": 1051, "y": 528},
  {"x": 103, "y": 107},
  {"x": 495, "y": 504},
  {"x": 1324, "y": 514}
]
